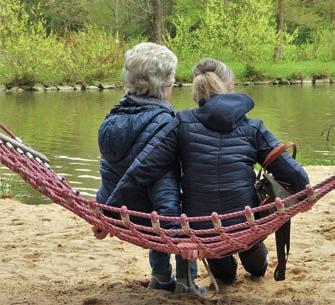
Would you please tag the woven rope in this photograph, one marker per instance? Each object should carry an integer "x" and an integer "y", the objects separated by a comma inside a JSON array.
[{"x": 217, "y": 241}]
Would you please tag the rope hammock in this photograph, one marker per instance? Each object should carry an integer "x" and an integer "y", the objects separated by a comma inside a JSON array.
[{"x": 218, "y": 241}]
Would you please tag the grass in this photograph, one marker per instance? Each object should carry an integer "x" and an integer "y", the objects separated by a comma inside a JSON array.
[
  {"x": 6, "y": 188},
  {"x": 308, "y": 69},
  {"x": 313, "y": 160}
]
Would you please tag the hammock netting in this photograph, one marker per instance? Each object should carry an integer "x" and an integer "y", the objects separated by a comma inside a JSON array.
[{"x": 217, "y": 241}]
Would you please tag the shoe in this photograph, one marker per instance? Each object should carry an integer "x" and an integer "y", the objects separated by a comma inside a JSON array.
[
  {"x": 182, "y": 287},
  {"x": 156, "y": 283}
]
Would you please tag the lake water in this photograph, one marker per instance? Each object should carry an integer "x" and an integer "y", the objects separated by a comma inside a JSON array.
[{"x": 63, "y": 126}]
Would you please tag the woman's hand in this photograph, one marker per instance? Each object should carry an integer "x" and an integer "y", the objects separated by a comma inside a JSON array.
[
  {"x": 190, "y": 254},
  {"x": 99, "y": 233}
]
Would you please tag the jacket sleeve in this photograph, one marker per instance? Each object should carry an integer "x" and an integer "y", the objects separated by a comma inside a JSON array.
[
  {"x": 165, "y": 196},
  {"x": 284, "y": 168},
  {"x": 157, "y": 158}
]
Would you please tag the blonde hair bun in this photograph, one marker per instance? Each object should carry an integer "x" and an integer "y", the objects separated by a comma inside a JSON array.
[{"x": 211, "y": 77}]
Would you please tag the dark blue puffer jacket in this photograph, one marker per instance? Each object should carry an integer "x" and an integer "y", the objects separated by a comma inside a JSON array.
[
  {"x": 218, "y": 147},
  {"x": 122, "y": 135}
]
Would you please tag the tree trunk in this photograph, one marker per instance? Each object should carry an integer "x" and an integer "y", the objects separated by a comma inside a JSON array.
[
  {"x": 280, "y": 22},
  {"x": 157, "y": 21},
  {"x": 117, "y": 21}
]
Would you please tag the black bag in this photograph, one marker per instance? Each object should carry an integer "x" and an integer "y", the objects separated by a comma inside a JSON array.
[{"x": 267, "y": 189}]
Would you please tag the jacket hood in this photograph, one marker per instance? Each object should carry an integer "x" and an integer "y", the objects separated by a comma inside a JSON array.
[
  {"x": 126, "y": 121},
  {"x": 223, "y": 112}
]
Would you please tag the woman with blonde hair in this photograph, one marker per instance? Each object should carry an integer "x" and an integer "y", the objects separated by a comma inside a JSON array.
[{"x": 218, "y": 147}]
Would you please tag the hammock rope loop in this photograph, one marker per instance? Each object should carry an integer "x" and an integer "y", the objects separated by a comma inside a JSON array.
[
  {"x": 280, "y": 206},
  {"x": 310, "y": 193}
]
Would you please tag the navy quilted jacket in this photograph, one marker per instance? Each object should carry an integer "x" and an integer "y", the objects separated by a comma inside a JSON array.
[
  {"x": 218, "y": 147},
  {"x": 122, "y": 135}
]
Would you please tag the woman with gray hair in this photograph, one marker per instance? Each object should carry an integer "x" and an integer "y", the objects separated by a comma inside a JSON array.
[
  {"x": 149, "y": 75},
  {"x": 218, "y": 147}
]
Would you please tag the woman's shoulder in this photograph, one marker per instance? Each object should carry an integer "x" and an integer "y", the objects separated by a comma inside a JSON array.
[
  {"x": 254, "y": 123},
  {"x": 185, "y": 116},
  {"x": 162, "y": 115}
]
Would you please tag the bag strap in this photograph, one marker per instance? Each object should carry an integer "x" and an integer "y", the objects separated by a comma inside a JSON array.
[
  {"x": 283, "y": 250},
  {"x": 277, "y": 151}
]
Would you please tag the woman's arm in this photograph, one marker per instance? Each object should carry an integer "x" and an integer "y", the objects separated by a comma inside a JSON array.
[
  {"x": 165, "y": 196},
  {"x": 285, "y": 168},
  {"x": 156, "y": 159}
]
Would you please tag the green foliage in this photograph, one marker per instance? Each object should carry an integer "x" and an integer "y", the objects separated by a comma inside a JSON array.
[
  {"x": 321, "y": 74},
  {"x": 297, "y": 75},
  {"x": 31, "y": 56},
  {"x": 185, "y": 40},
  {"x": 95, "y": 55},
  {"x": 321, "y": 46},
  {"x": 11, "y": 25},
  {"x": 28, "y": 54},
  {"x": 59, "y": 16},
  {"x": 252, "y": 74},
  {"x": 323, "y": 40},
  {"x": 215, "y": 26},
  {"x": 290, "y": 70},
  {"x": 286, "y": 69},
  {"x": 253, "y": 29},
  {"x": 242, "y": 30},
  {"x": 53, "y": 42}
]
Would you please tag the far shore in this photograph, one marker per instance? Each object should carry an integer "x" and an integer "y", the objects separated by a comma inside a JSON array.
[
  {"x": 50, "y": 257},
  {"x": 104, "y": 86}
]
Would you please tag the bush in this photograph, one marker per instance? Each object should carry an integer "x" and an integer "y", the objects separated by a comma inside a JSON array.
[
  {"x": 33, "y": 58},
  {"x": 323, "y": 40},
  {"x": 297, "y": 75},
  {"x": 321, "y": 46},
  {"x": 28, "y": 55},
  {"x": 321, "y": 75},
  {"x": 252, "y": 74},
  {"x": 95, "y": 56}
]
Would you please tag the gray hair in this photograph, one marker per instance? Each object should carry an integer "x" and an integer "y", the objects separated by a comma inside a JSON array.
[
  {"x": 148, "y": 69},
  {"x": 210, "y": 77}
]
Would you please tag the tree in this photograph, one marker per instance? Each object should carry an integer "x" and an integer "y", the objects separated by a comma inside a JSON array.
[
  {"x": 244, "y": 26},
  {"x": 253, "y": 29},
  {"x": 147, "y": 18},
  {"x": 154, "y": 13},
  {"x": 280, "y": 23},
  {"x": 228, "y": 30},
  {"x": 59, "y": 15}
]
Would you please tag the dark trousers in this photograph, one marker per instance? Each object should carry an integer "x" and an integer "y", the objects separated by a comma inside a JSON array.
[{"x": 253, "y": 260}]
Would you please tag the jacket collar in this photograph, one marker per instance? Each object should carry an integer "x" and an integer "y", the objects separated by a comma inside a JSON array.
[{"x": 144, "y": 100}]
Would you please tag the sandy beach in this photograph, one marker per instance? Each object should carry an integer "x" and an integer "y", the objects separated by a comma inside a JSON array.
[{"x": 50, "y": 256}]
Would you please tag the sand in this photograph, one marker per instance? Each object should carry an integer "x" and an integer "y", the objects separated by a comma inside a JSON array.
[{"x": 49, "y": 256}]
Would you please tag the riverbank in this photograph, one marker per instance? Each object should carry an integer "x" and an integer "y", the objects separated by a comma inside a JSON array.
[
  {"x": 282, "y": 81},
  {"x": 49, "y": 256}
]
